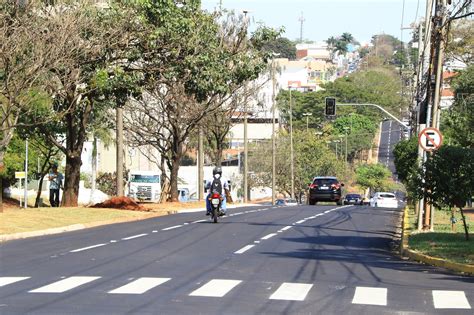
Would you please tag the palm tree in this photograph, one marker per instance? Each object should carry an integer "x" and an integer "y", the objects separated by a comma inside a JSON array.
[{"x": 347, "y": 37}]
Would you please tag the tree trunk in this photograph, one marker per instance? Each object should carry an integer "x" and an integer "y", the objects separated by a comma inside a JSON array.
[
  {"x": 174, "y": 179},
  {"x": 1, "y": 181},
  {"x": 466, "y": 229},
  {"x": 71, "y": 180}
]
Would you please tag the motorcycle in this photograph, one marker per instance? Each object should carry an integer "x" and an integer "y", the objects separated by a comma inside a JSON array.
[{"x": 216, "y": 201}]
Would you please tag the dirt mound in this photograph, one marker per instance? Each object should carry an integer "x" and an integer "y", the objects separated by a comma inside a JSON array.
[{"x": 124, "y": 203}]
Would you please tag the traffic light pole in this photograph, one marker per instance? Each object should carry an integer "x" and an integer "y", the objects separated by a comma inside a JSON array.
[{"x": 379, "y": 107}]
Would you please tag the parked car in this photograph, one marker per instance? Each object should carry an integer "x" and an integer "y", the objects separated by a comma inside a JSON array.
[
  {"x": 291, "y": 202},
  {"x": 353, "y": 199},
  {"x": 325, "y": 188},
  {"x": 384, "y": 200}
]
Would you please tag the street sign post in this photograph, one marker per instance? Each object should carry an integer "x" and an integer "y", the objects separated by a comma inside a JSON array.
[
  {"x": 430, "y": 139},
  {"x": 19, "y": 175}
]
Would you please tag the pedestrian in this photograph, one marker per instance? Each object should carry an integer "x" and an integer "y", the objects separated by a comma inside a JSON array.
[{"x": 55, "y": 183}]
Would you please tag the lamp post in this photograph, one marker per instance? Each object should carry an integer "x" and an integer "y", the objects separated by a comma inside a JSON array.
[
  {"x": 345, "y": 129},
  {"x": 292, "y": 168},
  {"x": 273, "y": 131},
  {"x": 245, "y": 179},
  {"x": 307, "y": 119}
]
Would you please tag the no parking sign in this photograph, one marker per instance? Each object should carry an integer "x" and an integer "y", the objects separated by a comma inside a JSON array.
[{"x": 430, "y": 139}]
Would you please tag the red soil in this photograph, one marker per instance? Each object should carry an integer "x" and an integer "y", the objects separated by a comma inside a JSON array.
[{"x": 124, "y": 203}]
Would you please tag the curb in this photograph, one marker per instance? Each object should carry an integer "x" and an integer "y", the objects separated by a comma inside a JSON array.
[
  {"x": 426, "y": 259},
  {"x": 76, "y": 227}
]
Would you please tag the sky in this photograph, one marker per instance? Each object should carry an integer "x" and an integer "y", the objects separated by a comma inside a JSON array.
[{"x": 326, "y": 18}]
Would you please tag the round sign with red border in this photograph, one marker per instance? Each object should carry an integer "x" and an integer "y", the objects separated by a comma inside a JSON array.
[{"x": 430, "y": 139}]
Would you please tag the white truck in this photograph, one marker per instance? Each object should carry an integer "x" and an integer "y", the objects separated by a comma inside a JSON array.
[{"x": 144, "y": 185}]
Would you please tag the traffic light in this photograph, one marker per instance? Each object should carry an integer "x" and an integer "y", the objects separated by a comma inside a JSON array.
[{"x": 330, "y": 109}]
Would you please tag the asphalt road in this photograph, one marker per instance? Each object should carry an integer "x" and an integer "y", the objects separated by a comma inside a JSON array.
[
  {"x": 391, "y": 134},
  {"x": 259, "y": 260}
]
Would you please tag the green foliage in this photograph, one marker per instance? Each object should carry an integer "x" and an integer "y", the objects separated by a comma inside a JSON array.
[
  {"x": 376, "y": 177},
  {"x": 283, "y": 46},
  {"x": 311, "y": 158},
  {"x": 447, "y": 177},
  {"x": 406, "y": 158},
  {"x": 360, "y": 132},
  {"x": 458, "y": 121}
]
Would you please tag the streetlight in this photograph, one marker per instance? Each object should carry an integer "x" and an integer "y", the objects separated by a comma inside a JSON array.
[
  {"x": 307, "y": 117},
  {"x": 346, "y": 128},
  {"x": 291, "y": 148},
  {"x": 273, "y": 128}
]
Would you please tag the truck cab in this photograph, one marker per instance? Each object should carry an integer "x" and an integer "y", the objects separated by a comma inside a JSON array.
[{"x": 144, "y": 185}]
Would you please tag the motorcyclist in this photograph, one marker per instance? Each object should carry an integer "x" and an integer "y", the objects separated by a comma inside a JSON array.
[{"x": 217, "y": 175}]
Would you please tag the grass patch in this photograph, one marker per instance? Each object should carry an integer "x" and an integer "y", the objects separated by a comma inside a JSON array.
[
  {"x": 32, "y": 219},
  {"x": 443, "y": 242}
]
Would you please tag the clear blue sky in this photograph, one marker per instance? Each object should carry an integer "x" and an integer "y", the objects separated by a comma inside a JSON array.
[{"x": 325, "y": 18}]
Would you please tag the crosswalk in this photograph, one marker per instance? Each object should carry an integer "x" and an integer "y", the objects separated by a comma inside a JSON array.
[{"x": 218, "y": 288}]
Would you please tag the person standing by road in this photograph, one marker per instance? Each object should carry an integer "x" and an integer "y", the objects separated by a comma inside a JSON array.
[{"x": 55, "y": 183}]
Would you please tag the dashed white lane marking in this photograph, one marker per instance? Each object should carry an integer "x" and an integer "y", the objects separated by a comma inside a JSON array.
[
  {"x": 134, "y": 236},
  {"x": 199, "y": 221},
  {"x": 172, "y": 227},
  {"x": 64, "y": 285},
  {"x": 8, "y": 280},
  {"x": 450, "y": 299},
  {"x": 216, "y": 288},
  {"x": 154, "y": 231},
  {"x": 86, "y": 248},
  {"x": 238, "y": 213},
  {"x": 291, "y": 292},
  {"x": 286, "y": 228},
  {"x": 139, "y": 286},
  {"x": 244, "y": 249},
  {"x": 300, "y": 221},
  {"x": 370, "y": 296},
  {"x": 113, "y": 241},
  {"x": 266, "y": 237}
]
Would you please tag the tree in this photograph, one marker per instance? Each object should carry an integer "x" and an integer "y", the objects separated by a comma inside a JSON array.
[
  {"x": 191, "y": 70},
  {"x": 312, "y": 158},
  {"x": 458, "y": 121},
  {"x": 90, "y": 41},
  {"x": 376, "y": 177},
  {"x": 282, "y": 46},
  {"x": 446, "y": 179},
  {"x": 460, "y": 44}
]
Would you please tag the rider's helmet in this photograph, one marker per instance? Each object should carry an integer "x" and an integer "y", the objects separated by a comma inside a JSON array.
[{"x": 217, "y": 170}]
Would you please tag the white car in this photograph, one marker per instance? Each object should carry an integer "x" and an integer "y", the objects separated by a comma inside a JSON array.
[{"x": 384, "y": 200}]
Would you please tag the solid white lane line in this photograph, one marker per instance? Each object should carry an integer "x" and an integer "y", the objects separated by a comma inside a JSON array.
[
  {"x": 238, "y": 213},
  {"x": 134, "y": 236},
  {"x": 244, "y": 249},
  {"x": 86, "y": 248},
  {"x": 291, "y": 292},
  {"x": 300, "y": 221},
  {"x": 286, "y": 228},
  {"x": 216, "y": 288},
  {"x": 370, "y": 296},
  {"x": 9, "y": 280},
  {"x": 266, "y": 237},
  {"x": 172, "y": 227},
  {"x": 198, "y": 221},
  {"x": 139, "y": 286},
  {"x": 450, "y": 299},
  {"x": 64, "y": 285}
]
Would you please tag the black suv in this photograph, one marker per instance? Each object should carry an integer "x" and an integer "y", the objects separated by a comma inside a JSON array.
[{"x": 325, "y": 189}]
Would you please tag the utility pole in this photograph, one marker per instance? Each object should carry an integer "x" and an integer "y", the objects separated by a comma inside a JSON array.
[
  {"x": 292, "y": 162},
  {"x": 307, "y": 120},
  {"x": 245, "y": 184},
  {"x": 119, "y": 150},
  {"x": 26, "y": 174},
  {"x": 200, "y": 161},
  {"x": 273, "y": 131},
  {"x": 301, "y": 19}
]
